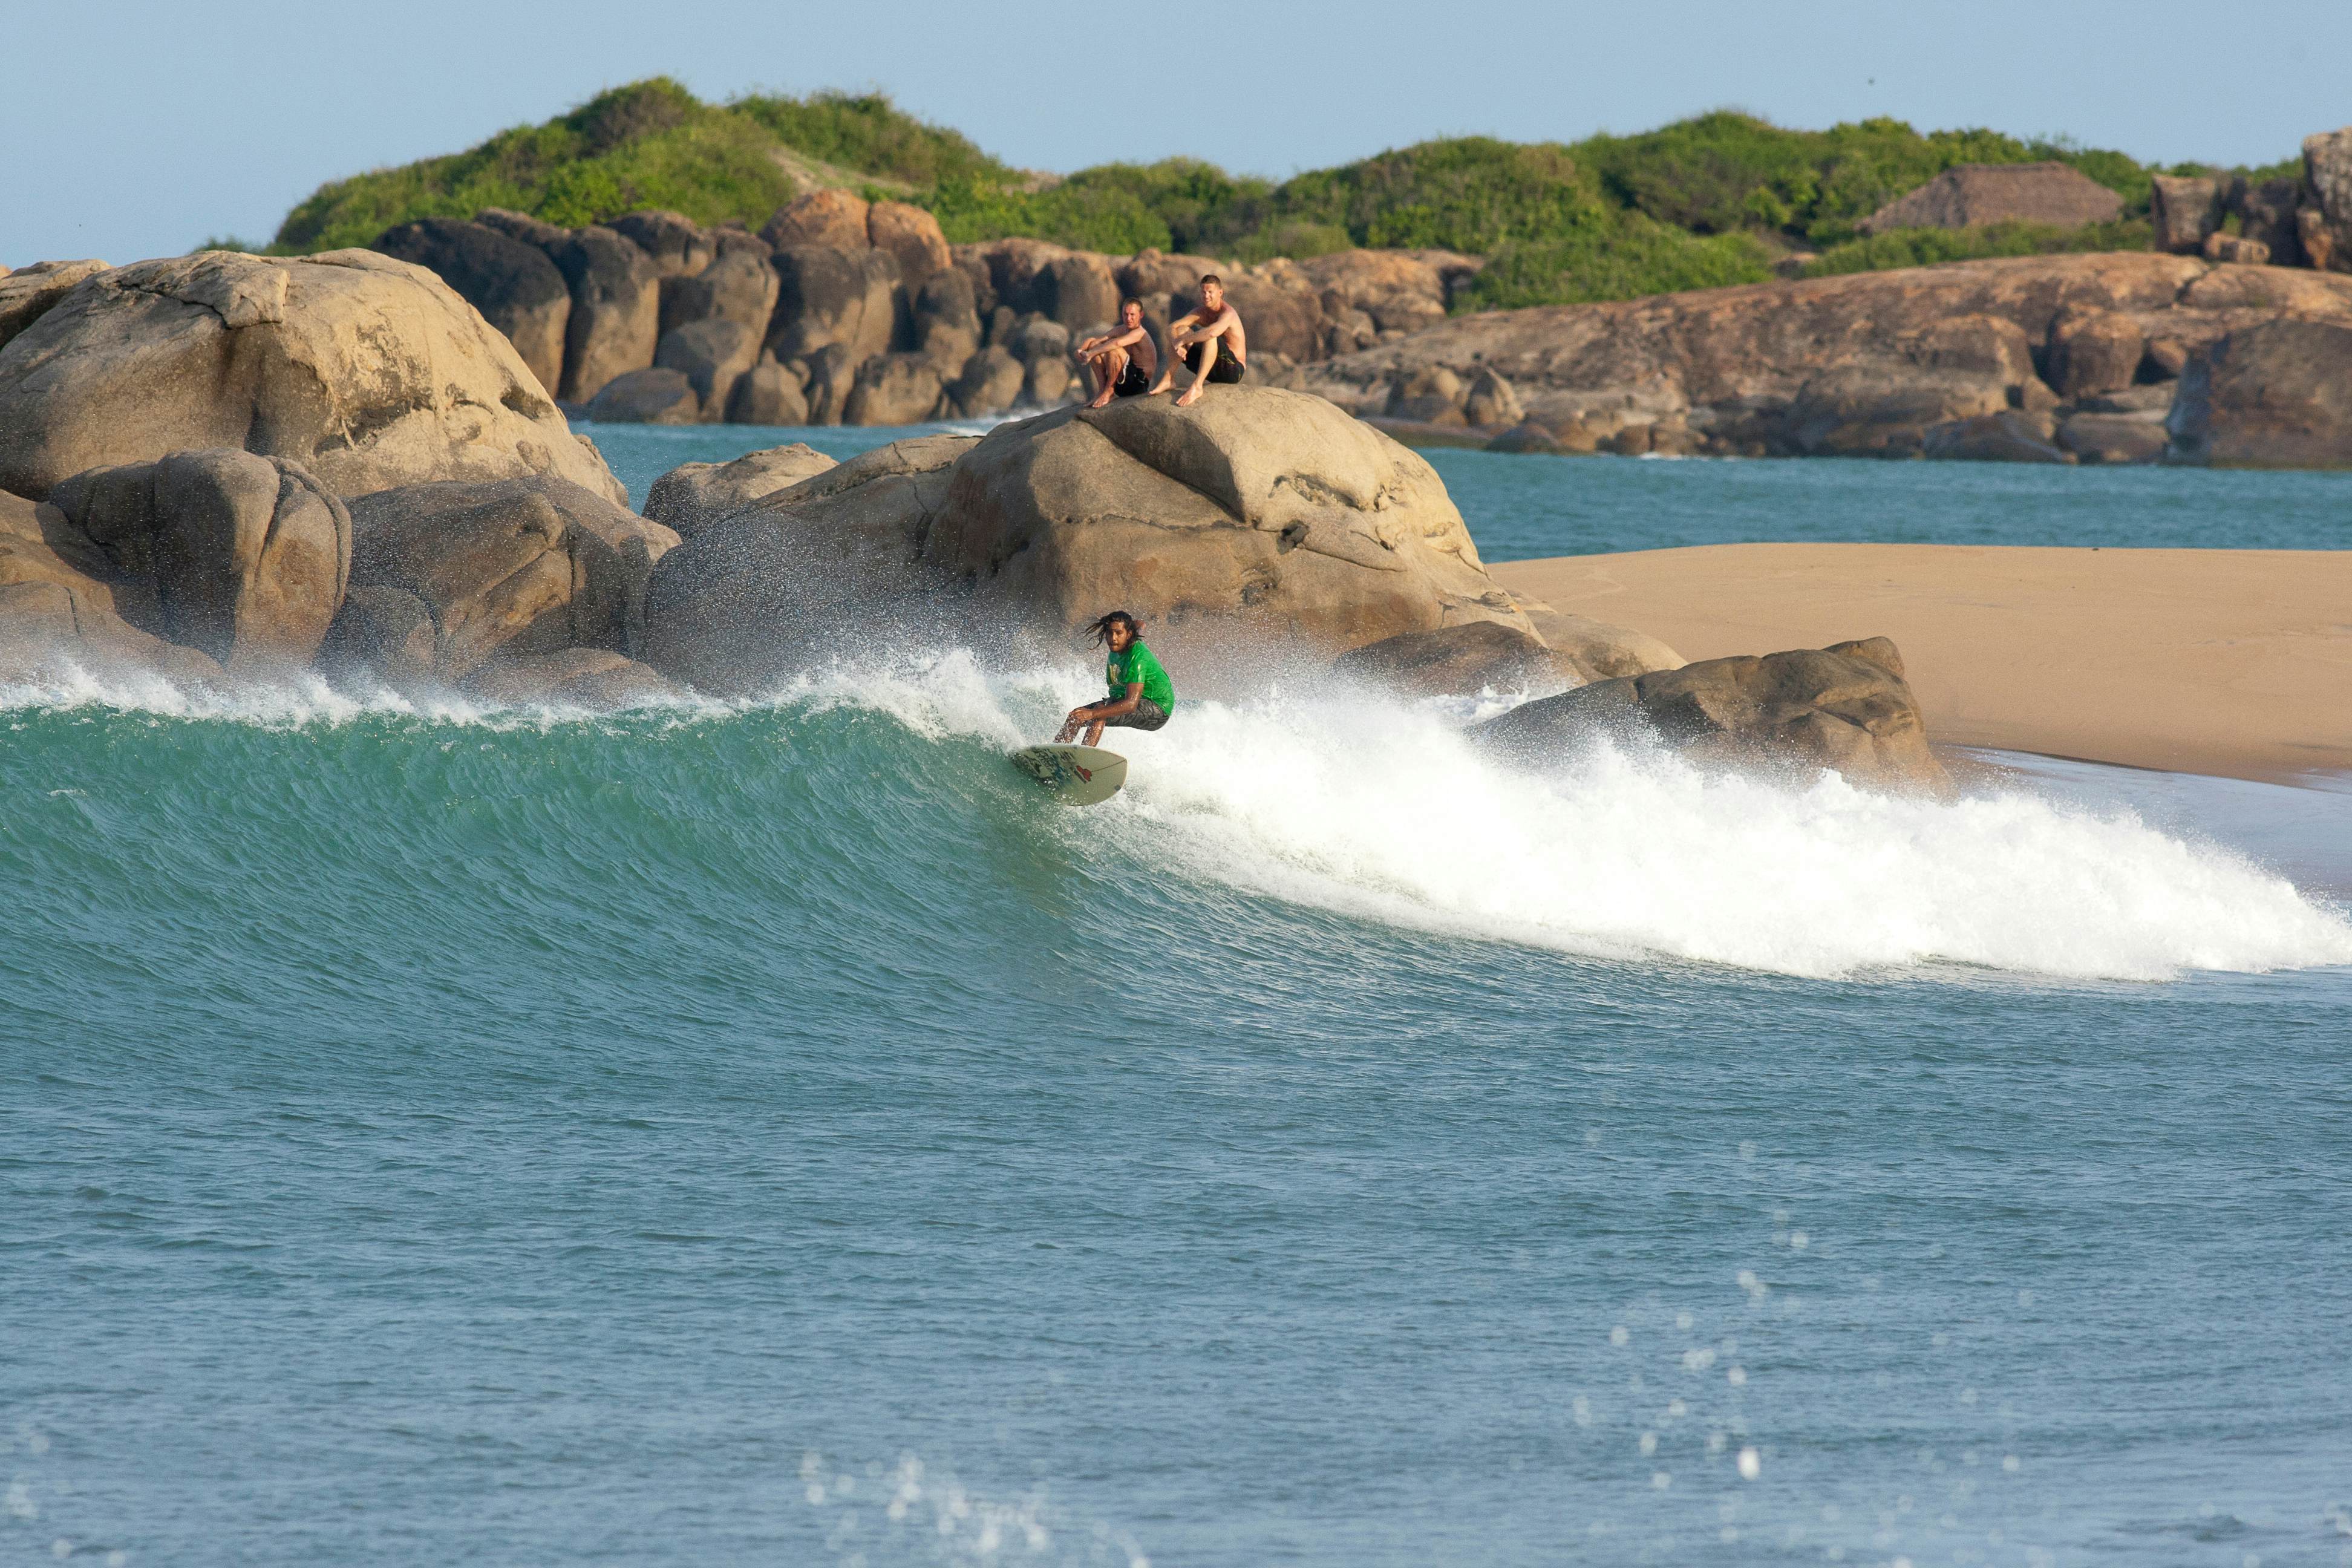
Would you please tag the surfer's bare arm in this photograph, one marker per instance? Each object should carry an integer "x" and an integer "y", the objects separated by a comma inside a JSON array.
[
  {"x": 1177, "y": 331},
  {"x": 1107, "y": 341}
]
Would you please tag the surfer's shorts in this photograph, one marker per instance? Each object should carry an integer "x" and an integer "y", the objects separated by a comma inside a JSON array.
[
  {"x": 1148, "y": 715},
  {"x": 1131, "y": 381},
  {"x": 1226, "y": 372}
]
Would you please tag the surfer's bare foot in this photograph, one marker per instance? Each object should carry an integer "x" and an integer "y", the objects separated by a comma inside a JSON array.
[
  {"x": 1102, "y": 399},
  {"x": 1192, "y": 395}
]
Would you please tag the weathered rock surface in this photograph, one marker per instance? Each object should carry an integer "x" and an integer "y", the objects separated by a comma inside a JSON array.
[
  {"x": 29, "y": 292},
  {"x": 615, "y": 318},
  {"x": 804, "y": 574},
  {"x": 912, "y": 237},
  {"x": 692, "y": 496},
  {"x": 2185, "y": 208},
  {"x": 947, "y": 320},
  {"x": 516, "y": 566},
  {"x": 1845, "y": 707},
  {"x": 712, "y": 355},
  {"x": 2112, "y": 437},
  {"x": 739, "y": 286},
  {"x": 2278, "y": 395},
  {"x": 834, "y": 220},
  {"x": 1254, "y": 508},
  {"x": 894, "y": 389},
  {"x": 768, "y": 393},
  {"x": 515, "y": 287},
  {"x": 2094, "y": 351},
  {"x": 366, "y": 371},
  {"x": 654, "y": 396},
  {"x": 1589, "y": 649},
  {"x": 835, "y": 296},
  {"x": 1465, "y": 659},
  {"x": 673, "y": 242},
  {"x": 1864, "y": 364},
  {"x": 2010, "y": 437},
  {"x": 241, "y": 557},
  {"x": 58, "y": 610},
  {"x": 2325, "y": 228},
  {"x": 990, "y": 383}
]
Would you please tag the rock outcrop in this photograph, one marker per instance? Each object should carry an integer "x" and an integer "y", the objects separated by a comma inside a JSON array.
[
  {"x": 692, "y": 496},
  {"x": 242, "y": 558},
  {"x": 364, "y": 371},
  {"x": 515, "y": 287},
  {"x": 1845, "y": 707},
  {"x": 2276, "y": 395},
  {"x": 58, "y": 610},
  {"x": 1467, "y": 659},
  {"x": 28, "y": 292},
  {"x": 2323, "y": 224},
  {"x": 1891, "y": 364},
  {"x": 444, "y": 577},
  {"x": 615, "y": 318}
]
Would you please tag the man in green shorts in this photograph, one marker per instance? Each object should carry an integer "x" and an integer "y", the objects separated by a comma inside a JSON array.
[{"x": 1141, "y": 697}]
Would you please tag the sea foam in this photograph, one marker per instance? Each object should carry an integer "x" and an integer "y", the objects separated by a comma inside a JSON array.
[{"x": 1385, "y": 811}]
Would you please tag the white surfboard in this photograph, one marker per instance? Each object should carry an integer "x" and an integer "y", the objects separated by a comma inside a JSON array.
[{"x": 1078, "y": 775}]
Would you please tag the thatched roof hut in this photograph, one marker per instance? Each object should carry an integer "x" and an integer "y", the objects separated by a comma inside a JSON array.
[{"x": 1974, "y": 194}]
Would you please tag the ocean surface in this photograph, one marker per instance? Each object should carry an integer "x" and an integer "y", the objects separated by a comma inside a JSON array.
[{"x": 772, "y": 1134}]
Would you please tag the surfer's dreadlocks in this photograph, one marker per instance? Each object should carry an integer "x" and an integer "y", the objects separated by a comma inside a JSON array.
[{"x": 1101, "y": 628}]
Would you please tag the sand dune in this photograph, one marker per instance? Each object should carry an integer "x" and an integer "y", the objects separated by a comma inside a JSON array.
[{"x": 2236, "y": 662}]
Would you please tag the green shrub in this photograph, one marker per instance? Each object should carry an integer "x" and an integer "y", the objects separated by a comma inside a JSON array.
[
  {"x": 1926, "y": 246},
  {"x": 1624, "y": 256}
]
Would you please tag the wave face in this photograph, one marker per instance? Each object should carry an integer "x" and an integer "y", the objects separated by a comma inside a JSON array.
[
  {"x": 774, "y": 1132},
  {"x": 1342, "y": 803}
]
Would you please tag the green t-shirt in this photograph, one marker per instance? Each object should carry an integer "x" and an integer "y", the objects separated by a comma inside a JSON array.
[{"x": 1139, "y": 663}]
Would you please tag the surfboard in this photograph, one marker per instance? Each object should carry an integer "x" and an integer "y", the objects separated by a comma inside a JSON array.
[{"x": 1077, "y": 776}]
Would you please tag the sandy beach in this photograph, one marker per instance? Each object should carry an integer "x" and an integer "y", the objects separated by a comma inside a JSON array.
[{"x": 2214, "y": 661}]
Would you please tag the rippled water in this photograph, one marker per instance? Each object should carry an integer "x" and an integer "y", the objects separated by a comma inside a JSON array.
[{"x": 774, "y": 1133}]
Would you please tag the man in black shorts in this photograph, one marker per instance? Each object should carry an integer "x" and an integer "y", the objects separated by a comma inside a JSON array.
[
  {"x": 1122, "y": 360},
  {"x": 1210, "y": 340}
]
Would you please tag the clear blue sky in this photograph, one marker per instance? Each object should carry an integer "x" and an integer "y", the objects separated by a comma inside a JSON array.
[{"x": 139, "y": 129}]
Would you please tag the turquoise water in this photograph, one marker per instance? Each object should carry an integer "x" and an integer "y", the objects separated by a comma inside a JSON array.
[
  {"x": 772, "y": 1134},
  {"x": 1521, "y": 508}
]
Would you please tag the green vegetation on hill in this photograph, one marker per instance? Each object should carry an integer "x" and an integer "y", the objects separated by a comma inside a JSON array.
[{"x": 1711, "y": 200}]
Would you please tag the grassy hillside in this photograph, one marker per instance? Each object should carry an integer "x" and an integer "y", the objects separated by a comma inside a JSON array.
[{"x": 1706, "y": 201}]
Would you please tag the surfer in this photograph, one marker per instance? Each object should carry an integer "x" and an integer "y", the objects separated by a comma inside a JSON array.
[
  {"x": 1209, "y": 339},
  {"x": 1141, "y": 698},
  {"x": 1122, "y": 360}
]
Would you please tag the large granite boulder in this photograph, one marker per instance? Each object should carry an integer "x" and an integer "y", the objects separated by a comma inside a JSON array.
[
  {"x": 1844, "y": 708},
  {"x": 833, "y": 296},
  {"x": 677, "y": 245},
  {"x": 444, "y": 577},
  {"x": 692, "y": 496},
  {"x": 1464, "y": 660},
  {"x": 770, "y": 393},
  {"x": 1883, "y": 404},
  {"x": 829, "y": 567},
  {"x": 365, "y": 370},
  {"x": 1400, "y": 290},
  {"x": 59, "y": 610},
  {"x": 242, "y": 558},
  {"x": 831, "y": 220},
  {"x": 894, "y": 389},
  {"x": 947, "y": 320},
  {"x": 515, "y": 287},
  {"x": 1591, "y": 649},
  {"x": 2274, "y": 395},
  {"x": 1076, "y": 291},
  {"x": 712, "y": 354},
  {"x": 616, "y": 319},
  {"x": 912, "y": 236},
  {"x": 1157, "y": 272},
  {"x": 657, "y": 394},
  {"x": 2094, "y": 352},
  {"x": 2186, "y": 208},
  {"x": 739, "y": 286},
  {"x": 1970, "y": 195},
  {"x": 2326, "y": 222},
  {"x": 27, "y": 293},
  {"x": 990, "y": 383},
  {"x": 1255, "y": 511}
]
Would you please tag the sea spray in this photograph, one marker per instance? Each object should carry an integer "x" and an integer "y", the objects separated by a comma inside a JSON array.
[{"x": 1383, "y": 811}]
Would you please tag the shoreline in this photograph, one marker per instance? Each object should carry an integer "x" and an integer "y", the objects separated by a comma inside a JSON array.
[{"x": 2236, "y": 663}]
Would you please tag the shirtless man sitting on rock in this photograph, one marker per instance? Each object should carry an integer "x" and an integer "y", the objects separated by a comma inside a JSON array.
[
  {"x": 1122, "y": 360},
  {"x": 1210, "y": 340}
]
